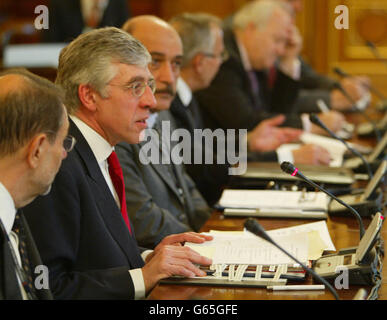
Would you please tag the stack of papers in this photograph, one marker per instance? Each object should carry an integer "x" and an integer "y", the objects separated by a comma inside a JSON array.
[
  {"x": 305, "y": 242},
  {"x": 335, "y": 148},
  {"x": 274, "y": 200},
  {"x": 249, "y": 254}
]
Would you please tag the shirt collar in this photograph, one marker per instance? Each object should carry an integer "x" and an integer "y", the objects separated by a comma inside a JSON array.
[
  {"x": 7, "y": 209},
  {"x": 100, "y": 147},
  {"x": 184, "y": 92},
  {"x": 150, "y": 122},
  {"x": 244, "y": 57}
]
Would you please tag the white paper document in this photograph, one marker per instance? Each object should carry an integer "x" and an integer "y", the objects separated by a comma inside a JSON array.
[
  {"x": 273, "y": 199},
  {"x": 250, "y": 250},
  {"x": 320, "y": 226},
  {"x": 305, "y": 242}
]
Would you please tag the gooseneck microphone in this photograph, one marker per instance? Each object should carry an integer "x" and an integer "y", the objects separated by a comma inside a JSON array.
[
  {"x": 338, "y": 86},
  {"x": 289, "y": 168},
  {"x": 316, "y": 120},
  {"x": 254, "y": 227},
  {"x": 376, "y": 52}
]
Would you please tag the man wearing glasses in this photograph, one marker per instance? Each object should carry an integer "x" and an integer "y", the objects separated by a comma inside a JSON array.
[
  {"x": 82, "y": 228},
  {"x": 33, "y": 143},
  {"x": 161, "y": 198}
]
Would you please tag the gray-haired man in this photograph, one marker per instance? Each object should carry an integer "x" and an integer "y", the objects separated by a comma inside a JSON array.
[{"x": 85, "y": 236}]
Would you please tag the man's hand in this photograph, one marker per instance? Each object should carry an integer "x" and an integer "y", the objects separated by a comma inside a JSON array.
[
  {"x": 267, "y": 136},
  {"x": 311, "y": 154},
  {"x": 356, "y": 87},
  {"x": 181, "y": 238},
  {"x": 333, "y": 120},
  {"x": 171, "y": 258},
  {"x": 291, "y": 51}
]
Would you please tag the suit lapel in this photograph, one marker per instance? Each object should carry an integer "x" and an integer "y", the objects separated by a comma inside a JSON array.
[
  {"x": 235, "y": 57},
  {"x": 105, "y": 200},
  {"x": 162, "y": 171},
  {"x": 8, "y": 282},
  {"x": 182, "y": 114}
]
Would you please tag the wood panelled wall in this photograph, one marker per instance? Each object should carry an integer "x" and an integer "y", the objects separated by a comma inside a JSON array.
[{"x": 324, "y": 46}]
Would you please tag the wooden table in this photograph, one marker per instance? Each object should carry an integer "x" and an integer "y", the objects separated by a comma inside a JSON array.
[{"x": 344, "y": 233}]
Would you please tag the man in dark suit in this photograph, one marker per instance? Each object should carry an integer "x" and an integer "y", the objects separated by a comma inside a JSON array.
[
  {"x": 161, "y": 197},
  {"x": 82, "y": 228},
  {"x": 70, "y": 18},
  {"x": 241, "y": 94},
  {"x": 30, "y": 156},
  {"x": 315, "y": 86},
  {"x": 202, "y": 38}
]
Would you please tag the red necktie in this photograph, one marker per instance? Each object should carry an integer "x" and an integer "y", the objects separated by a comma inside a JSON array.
[
  {"x": 272, "y": 76},
  {"x": 117, "y": 177}
]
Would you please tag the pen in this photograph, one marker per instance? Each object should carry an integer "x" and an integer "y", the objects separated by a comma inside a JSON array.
[
  {"x": 322, "y": 106},
  {"x": 297, "y": 287}
]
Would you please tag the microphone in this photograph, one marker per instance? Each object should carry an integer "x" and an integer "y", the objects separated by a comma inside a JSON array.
[
  {"x": 289, "y": 168},
  {"x": 343, "y": 74},
  {"x": 316, "y": 120},
  {"x": 375, "y": 52},
  {"x": 254, "y": 227}
]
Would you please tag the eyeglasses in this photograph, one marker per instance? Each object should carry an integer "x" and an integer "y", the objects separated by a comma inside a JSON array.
[
  {"x": 138, "y": 87},
  {"x": 223, "y": 55},
  {"x": 69, "y": 143}
]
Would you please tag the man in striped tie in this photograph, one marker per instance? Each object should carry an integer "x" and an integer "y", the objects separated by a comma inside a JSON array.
[{"x": 33, "y": 143}]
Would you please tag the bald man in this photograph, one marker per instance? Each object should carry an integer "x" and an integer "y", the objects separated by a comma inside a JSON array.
[
  {"x": 30, "y": 156},
  {"x": 161, "y": 198}
]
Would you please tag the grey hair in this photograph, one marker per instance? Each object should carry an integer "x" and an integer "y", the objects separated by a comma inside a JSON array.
[
  {"x": 258, "y": 12},
  {"x": 89, "y": 60},
  {"x": 194, "y": 30}
]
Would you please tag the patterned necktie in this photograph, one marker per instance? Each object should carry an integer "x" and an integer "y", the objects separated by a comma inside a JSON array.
[
  {"x": 26, "y": 265},
  {"x": 117, "y": 177}
]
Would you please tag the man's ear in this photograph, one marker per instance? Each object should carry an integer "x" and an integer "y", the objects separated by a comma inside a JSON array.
[
  {"x": 87, "y": 96},
  {"x": 36, "y": 149},
  {"x": 198, "y": 63}
]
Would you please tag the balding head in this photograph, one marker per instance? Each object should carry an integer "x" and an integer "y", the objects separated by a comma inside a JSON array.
[
  {"x": 28, "y": 105},
  {"x": 11, "y": 83},
  {"x": 166, "y": 49}
]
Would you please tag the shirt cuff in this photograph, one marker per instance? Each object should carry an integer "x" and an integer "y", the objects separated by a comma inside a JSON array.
[
  {"x": 306, "y": 124},
  {"x": 285, "y": 154},
  {"x": 138, "y": 283},
  {"x": 145, "y": 254}
]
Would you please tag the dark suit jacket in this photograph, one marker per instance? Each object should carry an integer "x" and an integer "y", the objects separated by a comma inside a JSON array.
[
  {"x": 155, "y": 205},
  {"x": 228, "y": 102},
  {"x": 210, "y": 179},
  {"x": 66, "y": 20},
  {"x": 9, "y": 286},
  {"x": 80, "y": 232}
]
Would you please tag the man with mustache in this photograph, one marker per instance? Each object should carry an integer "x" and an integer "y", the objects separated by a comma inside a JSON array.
[{"x": 161, "y": 198}]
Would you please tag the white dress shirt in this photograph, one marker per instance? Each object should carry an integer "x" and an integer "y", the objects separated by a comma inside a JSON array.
[
  {"x": 7, "y": 217},
  {"x": 184, "y": 92},
  {"x": 102, "y": 150}
]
